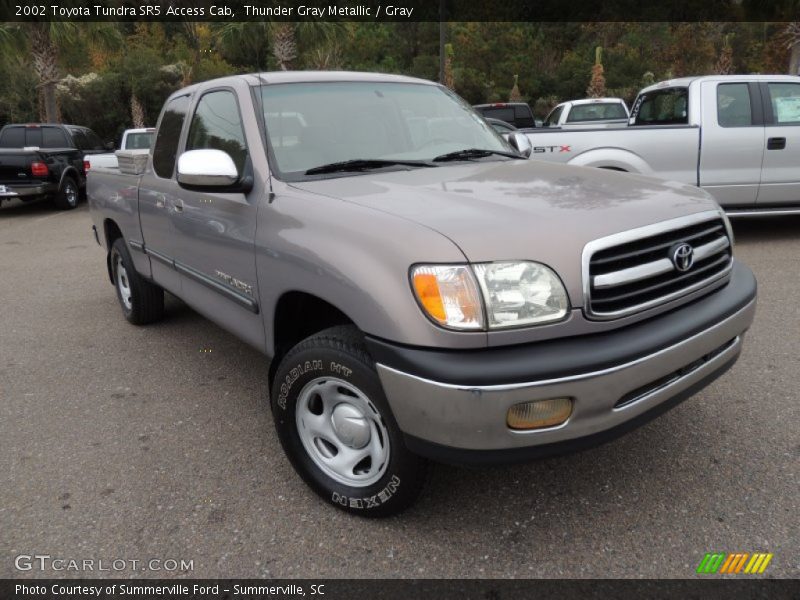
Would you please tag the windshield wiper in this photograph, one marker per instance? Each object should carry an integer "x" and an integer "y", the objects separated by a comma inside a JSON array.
[
  {"x": 364, "y": 164},
  {"x": 469, "y": 153}
]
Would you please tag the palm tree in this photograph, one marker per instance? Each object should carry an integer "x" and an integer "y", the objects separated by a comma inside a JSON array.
[
  {"x": 44, "y": 42},
  {"x": 284, "y": 37},
  {"x": 792, "y": 37},
  {"x": 284, "y": 45}
]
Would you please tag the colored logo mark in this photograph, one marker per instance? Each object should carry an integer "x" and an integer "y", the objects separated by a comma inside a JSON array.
[{"x": 734, "y": 563}]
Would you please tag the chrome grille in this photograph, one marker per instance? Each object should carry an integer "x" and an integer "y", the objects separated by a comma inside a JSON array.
[{"x": 637, "y": 270}]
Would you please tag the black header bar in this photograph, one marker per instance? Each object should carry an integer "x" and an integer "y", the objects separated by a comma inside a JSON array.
[{"x": 399, "y": 10}]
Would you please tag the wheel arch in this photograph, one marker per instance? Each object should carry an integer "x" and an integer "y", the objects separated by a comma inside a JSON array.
[
  {"x": 111, "y": 232},
  {"x": 613, "y": 158},
  {"x": 298, "y": 315},
  {"x": 73, "y": 174}
]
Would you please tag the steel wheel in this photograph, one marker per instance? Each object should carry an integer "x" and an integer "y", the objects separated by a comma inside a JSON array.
[
  {"x": 123, "y": 283},
  {"x": 342, "y": 431}
]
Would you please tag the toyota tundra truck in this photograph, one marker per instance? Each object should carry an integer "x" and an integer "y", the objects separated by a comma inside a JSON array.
[
  {"x": 420, "y": 290},
  {"x": 735, "y": 136}
]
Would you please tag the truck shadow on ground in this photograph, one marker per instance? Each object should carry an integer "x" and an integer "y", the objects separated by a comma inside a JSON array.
[
  {"x": 34, "y": 208},
  {"x": 591, "y": 486},
  {"x": 766, "y": 228}
]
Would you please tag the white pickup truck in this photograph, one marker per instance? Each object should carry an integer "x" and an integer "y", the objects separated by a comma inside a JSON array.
[
  {"x": 132, "y": 139},
  {"x": 736, "y": 136},
  {"x": 589, "y": 112}
]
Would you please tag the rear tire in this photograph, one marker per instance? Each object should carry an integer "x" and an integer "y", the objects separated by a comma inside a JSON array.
[
  {"x": 142, "y": 301},
  {"x": 68, "y": 196},
  {"x": 337, "y": 429}
]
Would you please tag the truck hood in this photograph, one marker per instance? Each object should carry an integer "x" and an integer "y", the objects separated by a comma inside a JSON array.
[{"x": 520, "y": 209}]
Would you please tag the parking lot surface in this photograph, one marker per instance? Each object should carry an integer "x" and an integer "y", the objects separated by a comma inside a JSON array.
[{"x": 133, "y": 444}]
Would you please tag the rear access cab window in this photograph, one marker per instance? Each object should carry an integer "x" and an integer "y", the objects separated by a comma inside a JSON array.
[
  {"x": 34, "y": 136},
  {"x": 169, "y": 135},
  {"x": 668, "y": 106}
]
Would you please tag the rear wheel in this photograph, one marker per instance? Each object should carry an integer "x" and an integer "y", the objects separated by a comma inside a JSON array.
[
  {"x": 142, "y": 302},
  {"x": 67, "y": 196},
  {"x": 336, "y": 427}
]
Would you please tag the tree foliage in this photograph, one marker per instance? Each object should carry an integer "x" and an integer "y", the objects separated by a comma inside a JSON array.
[{"x": 113, "y": 74}]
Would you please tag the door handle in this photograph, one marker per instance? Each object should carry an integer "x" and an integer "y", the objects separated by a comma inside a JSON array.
[
  {"x": 179, "y": 205},
  {"x": 776, "y": 143}
]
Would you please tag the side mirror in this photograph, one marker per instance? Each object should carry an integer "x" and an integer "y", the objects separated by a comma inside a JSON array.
[
  {"x": 207, "y": 168},
  {"x": 110, "y": 146},
  {"x": 521, "y": 143}
]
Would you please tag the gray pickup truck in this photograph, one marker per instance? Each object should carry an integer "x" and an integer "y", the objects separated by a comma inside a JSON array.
[
  {"x": 735, "y": 136},
  {"x": 422, "y": 290}
]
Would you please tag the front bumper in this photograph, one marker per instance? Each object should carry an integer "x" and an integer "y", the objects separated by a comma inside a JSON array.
[{"x": 452, "y": 405}]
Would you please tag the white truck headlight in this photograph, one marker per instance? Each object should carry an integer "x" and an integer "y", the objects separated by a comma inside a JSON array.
[
  {"x": 522, "y": 293},
  {"x": 489, "y": 295}
]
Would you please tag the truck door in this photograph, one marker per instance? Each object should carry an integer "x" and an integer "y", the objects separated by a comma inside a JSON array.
[
  {"x": 157, "y": 200},
  {"x": 780, "y": 179},
  {"x": 215, "y": 231},
  {"x": 732, "y": 141}
]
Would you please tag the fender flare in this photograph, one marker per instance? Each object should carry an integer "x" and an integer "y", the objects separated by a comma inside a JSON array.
[{"x": 70, "y": 171}]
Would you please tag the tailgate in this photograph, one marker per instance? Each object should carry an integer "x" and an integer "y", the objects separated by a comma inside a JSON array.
[{"x": 15, "y": 166}]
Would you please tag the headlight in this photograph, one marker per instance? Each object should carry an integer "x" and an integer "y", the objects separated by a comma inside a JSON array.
[
  {"x": 521, "y": 293},
  {"x": 449, "y": 295},
  {"x": 510, "y": 294}
]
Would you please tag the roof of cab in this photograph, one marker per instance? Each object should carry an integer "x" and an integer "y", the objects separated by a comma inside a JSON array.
[
  {"x": 274, "y": 77},
  {"x": 687, "y": 81},
  {"x": 583, "y": 101}
]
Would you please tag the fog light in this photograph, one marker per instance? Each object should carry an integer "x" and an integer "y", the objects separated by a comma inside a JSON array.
[{"x": 538, "y": 414}]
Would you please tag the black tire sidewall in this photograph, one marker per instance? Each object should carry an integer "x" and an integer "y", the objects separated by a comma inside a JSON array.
[
  {"x": 399, "y": 485},
  {"x": 61, "y": 200},
  {"x": 120, "y": 249}
]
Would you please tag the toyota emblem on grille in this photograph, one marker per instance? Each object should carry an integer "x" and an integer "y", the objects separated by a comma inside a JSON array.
[{"x": 682, "y": 256}]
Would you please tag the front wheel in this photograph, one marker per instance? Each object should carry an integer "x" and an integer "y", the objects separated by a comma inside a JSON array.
[{"x": 335, "y": 425}]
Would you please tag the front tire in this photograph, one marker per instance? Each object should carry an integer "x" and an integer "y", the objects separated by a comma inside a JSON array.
[
  {"x": 335, "y": 425},
  {"x": 142, "y": 301}
]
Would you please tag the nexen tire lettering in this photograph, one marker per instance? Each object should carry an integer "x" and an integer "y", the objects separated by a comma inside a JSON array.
[
  {"x": 381, "y": 497},
  {"x": 294, "y": 374}
]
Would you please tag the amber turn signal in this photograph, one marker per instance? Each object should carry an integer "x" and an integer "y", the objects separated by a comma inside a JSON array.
[{"x": 449, "y": 295}]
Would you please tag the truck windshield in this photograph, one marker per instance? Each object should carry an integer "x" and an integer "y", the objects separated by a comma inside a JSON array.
[{"x": 310, "y": 125}]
